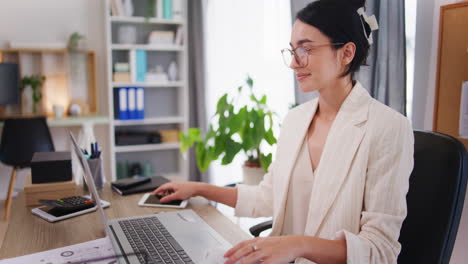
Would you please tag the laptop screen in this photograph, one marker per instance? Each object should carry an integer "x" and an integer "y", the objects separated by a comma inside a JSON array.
[{"x": 89, "y": 181}]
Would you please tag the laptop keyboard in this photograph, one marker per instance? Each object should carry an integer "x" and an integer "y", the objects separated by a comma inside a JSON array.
[{"x": 148, "y": 236}]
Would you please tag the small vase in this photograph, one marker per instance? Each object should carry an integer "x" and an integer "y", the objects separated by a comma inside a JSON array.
[
  {"x": 27, "y": 103},
  {"x": 128, "y": 7},
  {"x": 172, "y": 71},
  {"x": 252, "y": 175}
]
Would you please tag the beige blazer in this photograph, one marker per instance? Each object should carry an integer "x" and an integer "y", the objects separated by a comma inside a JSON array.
[{"x": 360, "y": 185}]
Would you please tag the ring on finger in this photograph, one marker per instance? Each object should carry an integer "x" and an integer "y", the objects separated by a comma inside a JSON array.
[{"x": 254, "y": 247}]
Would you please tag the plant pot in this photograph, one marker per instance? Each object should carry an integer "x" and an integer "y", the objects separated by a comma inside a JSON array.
[{"x": 252, "y": 175}]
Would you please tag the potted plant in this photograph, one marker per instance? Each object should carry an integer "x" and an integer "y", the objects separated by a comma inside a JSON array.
[
  {"x": 31, "y": 96},
  {"x": 235, "y": 128},
  {"x": 75, "y": 42}
]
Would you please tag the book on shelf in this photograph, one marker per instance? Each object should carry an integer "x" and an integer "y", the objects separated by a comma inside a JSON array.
[
  {"x": 179, "y": 37},
  {"x": 121, "y": 77},
  {"x": 149, "y": 186},
  {"x": 161, "y": 37},
  {"x": 159, "y": 8},
  {"x": 117, "y": 8}
]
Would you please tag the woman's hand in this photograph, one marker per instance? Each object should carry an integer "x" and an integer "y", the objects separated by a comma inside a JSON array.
[
  {"x": 268, "y": 250},
  {"x": 177, "y": 191}
]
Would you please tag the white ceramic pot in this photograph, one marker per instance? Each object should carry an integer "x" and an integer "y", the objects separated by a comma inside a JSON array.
[{"x": 252, "y": 175}]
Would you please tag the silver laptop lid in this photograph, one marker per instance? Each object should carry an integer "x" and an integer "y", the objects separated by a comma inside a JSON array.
[{"x": 89, "y": 181}]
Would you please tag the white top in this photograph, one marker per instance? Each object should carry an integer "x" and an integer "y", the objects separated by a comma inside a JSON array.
[{"x": 299, "y": 192}]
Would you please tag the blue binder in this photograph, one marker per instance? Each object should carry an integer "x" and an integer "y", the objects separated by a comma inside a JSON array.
[
  {"x": 141, "y": 65},
  {"x": 123, "y": 103},
  {"x": 167, "y": 9},
  {"x": 140, "y": 102},
  {"x": 131, "y": 95}
]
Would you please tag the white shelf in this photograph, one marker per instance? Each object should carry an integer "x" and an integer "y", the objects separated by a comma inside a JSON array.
[
  {"x": 77, "y": 121},
  {"x": 150, "y": 121},
  {"x": 142, "y": 20},
  {"x": 147, "y": 147},
  {"x": 149, "y": 84},
  {"x": 147, "y": 47}
]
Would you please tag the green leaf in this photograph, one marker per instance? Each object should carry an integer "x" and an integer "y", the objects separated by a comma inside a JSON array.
[
  {"x": 258, "y": 130},
  {"x": 265, "y": 161},
  {"x": 248, "y": 140},
  {"x": 237, "y": 121},
  {"x": 263, "y": 100},
  {"x": 249, "y": 82},
  {"x": 204, "y": 156},
  {"x": 194, "y": 134},
  {"x": 232, "y": 148},
  {"x": 222, "y": 105},
  {"x": 269, "y": 137},
  {"x": 187, "y": 141}
]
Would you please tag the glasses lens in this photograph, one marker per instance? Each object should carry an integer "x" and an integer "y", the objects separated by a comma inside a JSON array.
[
  {"x": 299, "y": 55},
  {"x": 287, "y": 57},
  {"x": 302, "y": 56}
]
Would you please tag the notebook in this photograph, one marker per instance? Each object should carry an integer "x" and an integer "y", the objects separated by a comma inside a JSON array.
[{"x": 151, "y": 185}]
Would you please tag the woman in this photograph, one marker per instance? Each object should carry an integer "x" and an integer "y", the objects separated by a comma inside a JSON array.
[{"x": 337, "y": 187}]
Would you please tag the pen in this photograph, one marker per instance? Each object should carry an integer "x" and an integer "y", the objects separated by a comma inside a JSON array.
[
  {"x": 96, "y": 148},
  {"x": 92, "y": 150}
]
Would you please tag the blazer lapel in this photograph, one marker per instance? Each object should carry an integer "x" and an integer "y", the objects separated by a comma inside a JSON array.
[
  {"x": 294, "y": 133},
  {"x": 340, "y": 148}
]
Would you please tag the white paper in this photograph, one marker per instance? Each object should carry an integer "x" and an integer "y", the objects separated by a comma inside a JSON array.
[
  {"x": 83, "y": 252},
  {"x": 463, "y": 126}
]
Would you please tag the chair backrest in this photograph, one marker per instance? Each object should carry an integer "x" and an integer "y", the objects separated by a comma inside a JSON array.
[
  {"x": 435, "y": 199},
  {"x": 21, "y": 138}
]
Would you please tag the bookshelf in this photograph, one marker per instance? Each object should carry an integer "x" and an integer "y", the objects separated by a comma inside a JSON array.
[{"x": 165, "y": 101}]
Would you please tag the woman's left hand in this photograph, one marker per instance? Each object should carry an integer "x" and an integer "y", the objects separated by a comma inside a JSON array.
[{"x": 268, "y": 250}]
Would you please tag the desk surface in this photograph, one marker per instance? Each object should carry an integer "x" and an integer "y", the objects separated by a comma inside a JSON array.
[{"x": 27, "y": 233}]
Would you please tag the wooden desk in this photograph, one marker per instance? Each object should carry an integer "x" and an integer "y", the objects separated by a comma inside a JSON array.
[{"x": 27, "y": 233}]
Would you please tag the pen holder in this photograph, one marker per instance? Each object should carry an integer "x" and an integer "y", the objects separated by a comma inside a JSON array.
[{"x": 95, "y": 166}]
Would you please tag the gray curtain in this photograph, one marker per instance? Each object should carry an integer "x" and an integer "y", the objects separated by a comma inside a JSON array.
[
  {"x": 196, "y": 82},
  {"x": 385, "y": 75}
]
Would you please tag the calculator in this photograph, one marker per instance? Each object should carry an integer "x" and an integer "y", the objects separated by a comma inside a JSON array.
[
  {"x": 64, "y": 208},
  {"x": 73, "y": 203}
]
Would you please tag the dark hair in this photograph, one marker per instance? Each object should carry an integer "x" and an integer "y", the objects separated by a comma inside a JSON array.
[{"x": 339, "y": 20}]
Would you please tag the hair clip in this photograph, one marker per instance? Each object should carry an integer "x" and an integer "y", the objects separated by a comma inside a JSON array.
[{"x": 371, "y": 21}]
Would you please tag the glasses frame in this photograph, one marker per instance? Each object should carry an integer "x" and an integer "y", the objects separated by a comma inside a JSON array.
[{"x": 307, "y": 53}]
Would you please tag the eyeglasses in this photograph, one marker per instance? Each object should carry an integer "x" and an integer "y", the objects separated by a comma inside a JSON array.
[{"x": 301, "y": 54}]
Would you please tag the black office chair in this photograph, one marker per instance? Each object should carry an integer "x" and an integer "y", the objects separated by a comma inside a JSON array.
[
  {"x": 21, "y": 138},
  {"x": 435, "y": 199}
]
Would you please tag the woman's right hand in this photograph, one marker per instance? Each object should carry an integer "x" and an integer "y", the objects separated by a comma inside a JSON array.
[{"x": 176, "y": 191}]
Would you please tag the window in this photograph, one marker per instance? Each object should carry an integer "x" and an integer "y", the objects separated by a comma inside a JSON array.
[
  {"x": 244, "y": 37},
  {"x": 410, "y": 27}
]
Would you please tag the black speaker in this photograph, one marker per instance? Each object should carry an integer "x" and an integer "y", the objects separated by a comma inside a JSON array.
[{"x": 47, "y": 167}]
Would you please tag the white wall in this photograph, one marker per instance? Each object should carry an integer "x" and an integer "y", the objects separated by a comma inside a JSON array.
[{"x": 51, "y": 21}]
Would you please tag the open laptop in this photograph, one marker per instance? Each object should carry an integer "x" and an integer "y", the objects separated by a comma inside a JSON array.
[{"x": 167, "y": 237}]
